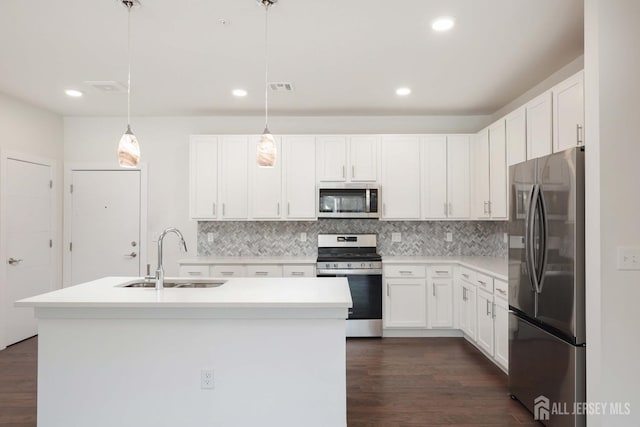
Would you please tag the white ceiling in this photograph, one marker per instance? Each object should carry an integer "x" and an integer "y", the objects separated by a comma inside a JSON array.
[{"x": 343, "y": 56}]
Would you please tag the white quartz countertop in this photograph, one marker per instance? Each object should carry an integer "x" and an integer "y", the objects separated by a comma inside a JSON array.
[
  {"x": 253, "y": 293},
  {"x": 248, "y": 260},
  {"x": 493, "y": 266}
]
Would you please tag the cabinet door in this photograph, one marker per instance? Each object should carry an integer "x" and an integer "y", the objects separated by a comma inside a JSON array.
[
  {"x": 497, "y": 171},
  {"x": 468, "y": 318},
  {"x": 203, "y": 177},
  {"x": 332, "y": 158},
  {"x": 501, "y": 331},
  {"x": 516, "y": 136},
  {"x": 441, "y": 303},
  {"x": 266, "y": 185},
  {"x": 234, "y": 178},
  {"x": 401, "y": 178},
  {"x": 299, "y": 165},
  {"x": 363, "y": 158},
  {"x": 405, "y": 303},
  {"x": 482, "y": 195},
  {"x": 568, "y": 113},
  {"x": 458, "y": 177},
  {"x": 485, "y": 321},
  {"x": 434, "y": 173},
  {"x": 539, "y": 132}
]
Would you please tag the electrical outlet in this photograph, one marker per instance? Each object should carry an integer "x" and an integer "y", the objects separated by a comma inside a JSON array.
[
  {"x": 206, "y": 379},
  {"x": 210, "y": 237},
  {"x": 396, "y": 237},
  {"x": 449, "y": 237},
  {"x": 629, "y": 258},
  {"x": 303, "y": 237}
]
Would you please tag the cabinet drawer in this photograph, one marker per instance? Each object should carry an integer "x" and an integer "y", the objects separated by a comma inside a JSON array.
[
  {"x": 445, "y": 271},
  {"x": 484, "y": 282},
  {"x": 405, "y": 271},
  {"x": 264, "y": 270},
  {"x": 228, "y": 271},
  {"x": 194, "y": 270},
  {"x": 298, "y": 271},
  {"x": 468, "y": 275},
  {"x": 501, "y": 289}
]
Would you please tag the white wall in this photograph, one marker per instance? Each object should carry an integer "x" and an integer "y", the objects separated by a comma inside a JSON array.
[
  {"x": 612, "y": 96},
  {"x": 164, "y": 145}
]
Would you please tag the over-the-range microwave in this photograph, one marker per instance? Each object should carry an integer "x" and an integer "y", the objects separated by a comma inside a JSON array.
[{"x": 348, "y": 201}]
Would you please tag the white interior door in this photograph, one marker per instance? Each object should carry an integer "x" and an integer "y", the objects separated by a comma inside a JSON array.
[
  {"x": 105, "y": 235},
  {"x": 28, "y": 213}
]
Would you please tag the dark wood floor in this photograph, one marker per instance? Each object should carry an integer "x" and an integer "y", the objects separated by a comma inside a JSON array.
[{"x": 391, "y": 382}]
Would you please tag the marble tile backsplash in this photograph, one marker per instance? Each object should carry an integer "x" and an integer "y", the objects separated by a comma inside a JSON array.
[{"x": 419, "y": 238}]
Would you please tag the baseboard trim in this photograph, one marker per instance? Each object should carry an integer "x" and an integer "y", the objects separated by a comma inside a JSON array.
[{"x": 421, "y": 333}]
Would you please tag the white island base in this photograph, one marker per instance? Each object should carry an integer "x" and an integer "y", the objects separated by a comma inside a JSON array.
[{"x": 113, "y": 363}]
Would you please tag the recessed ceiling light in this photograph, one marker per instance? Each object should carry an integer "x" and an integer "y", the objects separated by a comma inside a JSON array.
[
  {"x": 443, "y": 23},
  {"x": 73, "y": 93},
  {"x": 403, "y": 91},
  {"x": 239, "y": 93}
]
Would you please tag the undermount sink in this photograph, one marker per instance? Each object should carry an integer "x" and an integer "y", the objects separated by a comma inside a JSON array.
[{"x": 178, "y": 284}]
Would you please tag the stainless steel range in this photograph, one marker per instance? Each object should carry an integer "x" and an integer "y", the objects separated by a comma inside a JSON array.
[{"x": 354, "y": 256}]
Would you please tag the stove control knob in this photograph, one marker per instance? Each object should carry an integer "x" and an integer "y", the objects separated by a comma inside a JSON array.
[
  {"x": 327, "y": 265},
  {"x": 363, "y": 265},
  {"x": 335, "y": 265},
  {"x": 349, "y": 265}
]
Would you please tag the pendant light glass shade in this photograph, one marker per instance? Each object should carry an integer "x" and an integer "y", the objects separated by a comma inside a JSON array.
[
  {"x": 267, "y": 151},
  {"x": 128, "y": 147},
  {"x": 128, "y": 150}
]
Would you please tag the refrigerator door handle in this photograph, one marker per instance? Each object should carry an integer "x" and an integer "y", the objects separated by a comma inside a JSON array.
[
  {"x": 544, "y": 237},
  {"x": 529, "y": 238}
]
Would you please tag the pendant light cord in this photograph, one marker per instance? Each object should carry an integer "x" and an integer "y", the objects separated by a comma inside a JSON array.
[
  {"x": 266, "y": 63},
  {"x": 129, "y": 6}
]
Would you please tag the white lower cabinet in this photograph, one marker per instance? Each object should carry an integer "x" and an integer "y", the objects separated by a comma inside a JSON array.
[
  {"x": 248, "y": 270},
  {"x": 501, "y": 326},
  {"x": 467, "y": 309},
  {"x": 405, "y": 303},
  {"x": 440, "y": 297},
  {"x": 485, "y": 321}
]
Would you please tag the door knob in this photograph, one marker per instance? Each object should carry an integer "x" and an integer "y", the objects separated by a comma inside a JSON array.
[
  {"x": 132, "y": 255},
  {"x": 13, "y": 261}
]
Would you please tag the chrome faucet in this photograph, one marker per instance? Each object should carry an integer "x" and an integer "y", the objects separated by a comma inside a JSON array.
[{"x": 159, "y": 277}]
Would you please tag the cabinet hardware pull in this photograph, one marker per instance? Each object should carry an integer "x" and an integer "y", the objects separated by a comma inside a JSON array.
[
  {"x": 482, "y": 283},
  {"x": 434, "y": 290},
  {"x": 131, "y": 255},
  {"x": 353, "y": 171},
  {"x": 493, "y": 310},
  {"x": 464, "y": 294},
  {"x": 223, "y": 210},
  {"x": 261, "y": 273},
  {"x": 214, "y": 208},
  {"x": 445, "y": 209},
  {"x": 297, "y": 273},
  {"x": 503, "y": 292},
  {"x": 227, "y": 273},
  {"x": 195, "y": 273},
  {"x": 344, "y": 172},
  {"x": 466, "y": 276},
  {"x": 388, "y": 290},
  {"x": 485, "y": 207},
  {"x": 288, "y": 208},
  {"x": 13, "y": 261},
  {"x": 405, "y": 272},
  {"x": 579, "y": 140},
  {"x": 488, "y": 309},
  {"x": 442, "y": 271},
  {"x": 278, "y": 209}
]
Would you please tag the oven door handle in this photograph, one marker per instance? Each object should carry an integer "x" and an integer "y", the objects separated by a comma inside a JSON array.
[{"x": 349, "y": 272}]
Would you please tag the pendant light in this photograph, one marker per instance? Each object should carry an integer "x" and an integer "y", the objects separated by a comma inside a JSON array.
[
  {"x": 128, "y": 148},
  {"x": 266, "y": 150}
]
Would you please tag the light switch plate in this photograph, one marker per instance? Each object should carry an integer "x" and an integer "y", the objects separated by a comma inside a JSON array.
[
  {"x": 303, "y": 237},
  {"x": 396, "y": 237},
  {"x": 210, "y": 237},
  {"x": 628, "y": 257},
  {"x": 449, "y": 237}
]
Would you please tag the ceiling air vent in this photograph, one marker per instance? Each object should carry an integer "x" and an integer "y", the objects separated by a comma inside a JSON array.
[
  {"x": 107, "y": 86},
  {"x": 281, "y": 87}
]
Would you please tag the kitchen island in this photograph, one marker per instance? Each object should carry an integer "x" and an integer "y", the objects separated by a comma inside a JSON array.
[{"x": 251, "y": 352}]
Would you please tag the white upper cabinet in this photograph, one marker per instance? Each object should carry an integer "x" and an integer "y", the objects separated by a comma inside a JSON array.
[
  {"x": 458, "y": 176},
  {"x": 363, "y": 158},
  {"x": 400, "y": 177},
  {"x": 482, "y": 196},
  {"x": 266, "y": 184},
  {"x": 332, "y": 158},
  {"x": 299, "y": 163},
  {"x": 539, "y": 131},
  {"x": 347, "y": 158},
  {"x": 203, "y": 177},
  {"x": 497, "y": 171},
  {"x": 516, "y": 134},
  {"x": 445, "y": 172},
  {"x": 568, "y": 113},
  {"x": 234, "y": 179},
  {"x": 434, "y": 172}
]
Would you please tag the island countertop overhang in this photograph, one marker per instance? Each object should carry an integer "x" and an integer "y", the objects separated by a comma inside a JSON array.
[{"x": 236, "y": 294}]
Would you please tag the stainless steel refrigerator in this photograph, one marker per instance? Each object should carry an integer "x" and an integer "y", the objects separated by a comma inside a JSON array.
[{"x": 546, "y": 287}]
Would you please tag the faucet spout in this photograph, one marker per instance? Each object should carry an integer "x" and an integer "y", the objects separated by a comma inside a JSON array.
[{"x": 160, "y": 270}]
